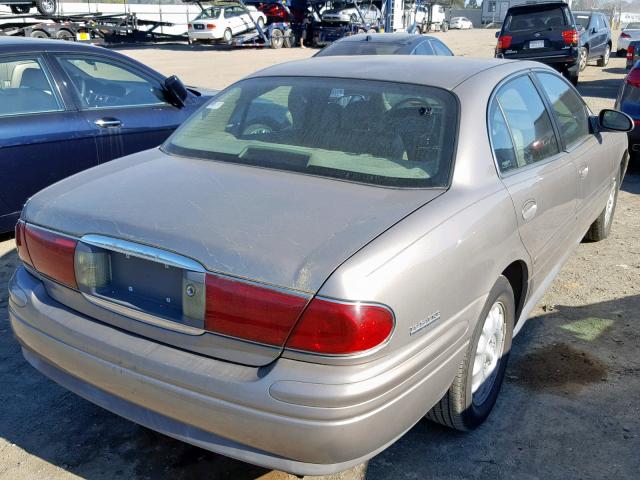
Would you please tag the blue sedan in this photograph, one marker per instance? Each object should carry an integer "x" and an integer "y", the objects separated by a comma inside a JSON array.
[
  {"x": 386, "y": 44},
  {"x": 65, "y": 107}
]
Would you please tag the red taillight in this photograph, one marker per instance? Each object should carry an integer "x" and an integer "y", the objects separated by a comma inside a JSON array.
[
  {"x": 250, "y": 311},
  {"x": 211, "y": 26},
  {"x": 633, "y": 78},
  {"x": 51, "y": 254},
  {"x": 340, "y": 328},
  {"x": 21, "y": 245},
  {"x": 630, "y": 52},
  {"x": 625, "y": 35},
  {"x": 504, "y": 42},
  {"x": 570, "y": 37}
]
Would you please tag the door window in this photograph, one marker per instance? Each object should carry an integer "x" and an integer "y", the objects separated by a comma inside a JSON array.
[
  {"x": 570, "y": 111},
  {"x": 501, "y": 140},
  {"x": 423, "y": 49},
  {"x": 103, "y": 84},
  {"x": 531, "y": 129},
  {"x": 440, "y": 48},
  {"x": 25, "y": 88}
]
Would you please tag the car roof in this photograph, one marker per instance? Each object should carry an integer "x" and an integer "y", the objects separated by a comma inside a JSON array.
[
  {"x": 395, "y": 38},
  {"x": 28, "y": 44},
  {"x": 438, "y": 71},
  {"x": 533, "y": 6}
]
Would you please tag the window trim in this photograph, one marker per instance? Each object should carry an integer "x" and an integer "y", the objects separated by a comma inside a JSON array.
[
  {"x": 565, "y": 147},
  {"x": 59, "y": 56},
  {"x": 492, "y": 97},
  {"x": 40, "y": 59}
]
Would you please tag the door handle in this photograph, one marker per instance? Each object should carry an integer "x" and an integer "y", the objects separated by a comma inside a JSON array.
[
  {"x": 584, "y": 171},
  {"x": 529, "y": 210},
  {"x": 108, "y": 123}
]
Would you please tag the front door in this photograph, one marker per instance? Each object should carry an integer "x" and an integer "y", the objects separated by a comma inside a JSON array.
[{"x": 125, "y": 107}]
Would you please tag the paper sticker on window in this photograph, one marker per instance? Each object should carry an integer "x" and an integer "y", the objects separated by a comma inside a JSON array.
[
  {"x": 337, "y": 93},
  {"x": 215, "y": 105}
]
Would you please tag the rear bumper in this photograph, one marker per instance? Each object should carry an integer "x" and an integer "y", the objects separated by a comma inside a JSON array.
[
  {"x": 298, "y": 417},
  {"x": 562, "y": 61},
  {"x": 205, "y": 34}
]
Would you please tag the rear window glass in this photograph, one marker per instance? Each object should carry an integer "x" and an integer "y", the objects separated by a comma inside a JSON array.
[
  {"x": 373, "y": 132},
  {"x": 538, "y": 19},
  {"x": 583, "y": 20},
  {"x": 359, "y": 48},
  {"x": 633, "y": 26}
]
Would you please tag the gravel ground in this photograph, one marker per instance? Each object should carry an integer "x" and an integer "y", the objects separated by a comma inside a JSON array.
[{"x": 569, "y": 407}]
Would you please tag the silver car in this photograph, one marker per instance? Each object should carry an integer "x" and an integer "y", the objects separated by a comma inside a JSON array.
[
  {"x": 629, "y": 33},
  {"x": 322, "y": 255}
]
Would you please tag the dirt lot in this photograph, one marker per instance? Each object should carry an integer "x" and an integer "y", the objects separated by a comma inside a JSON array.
[{"x": 569, "y": 408}]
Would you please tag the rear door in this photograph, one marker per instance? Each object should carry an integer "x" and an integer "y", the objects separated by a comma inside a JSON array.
[
  {"x": 124, "y": 106},
  {"x": 590, "y": 157},
  {"x": 42, "y": 138},
  {"x": 536, "y": 31},
  {"x": 540, "y": 177}
]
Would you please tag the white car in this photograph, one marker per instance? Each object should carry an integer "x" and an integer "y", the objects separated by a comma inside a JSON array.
[
  {"x": 629, "y": 33},
  {"x": 462, "y": 23},
  {"x": 222, "y": 23}
]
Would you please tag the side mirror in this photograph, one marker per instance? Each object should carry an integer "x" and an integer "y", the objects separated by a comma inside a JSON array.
[
  {"x": 498, "y": 34},
  {"x": 175, "y": 91},
  {"x": 614, "y": 121}
]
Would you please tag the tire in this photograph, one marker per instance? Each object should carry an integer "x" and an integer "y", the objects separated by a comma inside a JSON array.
[
  {"x": 604, "y": 60},
  {"x": 277, "y": 39},
  {"x": 227, "y": 37},
  {"x": 65, "y": 35},
  {"x": 444, "y": 27},
  {"x": 601, "y": 228},
  {"x": 289, "y": 39},
  {"x": 47, "y": 7},
  {"x": 573, "y": 76},
  {"x": 583, "y": 59},
  {"x": 39, "y": 34},
  {"x": 20, "y": 9},
  {"x": 464, "y": 406}
]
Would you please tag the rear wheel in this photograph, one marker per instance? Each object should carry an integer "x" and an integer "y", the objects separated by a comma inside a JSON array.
[
  {"x": 227, "y": 36},
  {"x": 584, "y": 58},
  {"x": 277, "y": 39},
  {"x": 39, "y": 34},
  {"x": 47, "y": 7},
  {"x": 604, "y": 60},
  {"x": 475, "y": 388},
  {"x": 572, "y": 75},
  {"x": 65, "y": 35},
  {"x": 601, "y": 228}
]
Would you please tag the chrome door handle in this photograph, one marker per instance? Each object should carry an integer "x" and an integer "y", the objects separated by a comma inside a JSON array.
[
  {"x": 108, "y": 123},
  {"x": 529, "y": 210},
  {"x": 584, "y": 172}
]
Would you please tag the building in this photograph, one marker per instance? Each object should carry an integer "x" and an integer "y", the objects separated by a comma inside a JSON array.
[{"x": 494, "y": 11}]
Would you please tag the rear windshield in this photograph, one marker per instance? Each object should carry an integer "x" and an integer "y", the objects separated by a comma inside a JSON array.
[
  {"x": 373, "y": 132},
  {"x": 540, "y": 18},
  {"x": 213, "y": 12},
  {"x": 360, "y": 48},
  {"x": 633, "y": 26}
]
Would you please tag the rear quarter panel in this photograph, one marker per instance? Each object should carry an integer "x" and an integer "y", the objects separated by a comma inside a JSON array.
[{"x": 442, "y": 260}]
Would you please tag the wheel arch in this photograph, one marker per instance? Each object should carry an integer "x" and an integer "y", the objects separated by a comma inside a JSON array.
[{"x": 517, "y": 273}]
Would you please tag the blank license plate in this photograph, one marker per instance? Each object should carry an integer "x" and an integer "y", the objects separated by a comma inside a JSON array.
[
  {"x": 83, "y": 36},
  {"x": 536, "y": 44}
]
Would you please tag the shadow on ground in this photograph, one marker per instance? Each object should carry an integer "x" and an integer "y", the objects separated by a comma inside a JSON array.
[
  {"x": 607, "y": 88},
  {"x": 558, "y": 384}
]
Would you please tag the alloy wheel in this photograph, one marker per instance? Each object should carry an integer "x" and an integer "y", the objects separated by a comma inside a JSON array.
[{"x": 488, "y": 354}]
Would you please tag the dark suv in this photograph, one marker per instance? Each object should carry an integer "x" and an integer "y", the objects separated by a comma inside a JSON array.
[
  {"x": 595, "y": 37},
  {"x": 545, "y": 32}
]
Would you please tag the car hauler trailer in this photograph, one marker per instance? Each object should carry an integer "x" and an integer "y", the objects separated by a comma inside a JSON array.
[{"x": 94, "y": 28}]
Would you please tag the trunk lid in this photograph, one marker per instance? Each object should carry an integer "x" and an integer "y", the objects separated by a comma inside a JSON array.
[{"x": 283, "y": 230}]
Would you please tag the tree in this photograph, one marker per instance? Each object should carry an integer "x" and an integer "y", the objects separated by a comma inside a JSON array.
[{"x": 472, "y": 4}]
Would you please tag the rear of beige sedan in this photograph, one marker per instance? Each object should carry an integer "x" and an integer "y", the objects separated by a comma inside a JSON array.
[{"x": 300, "y": 317}]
